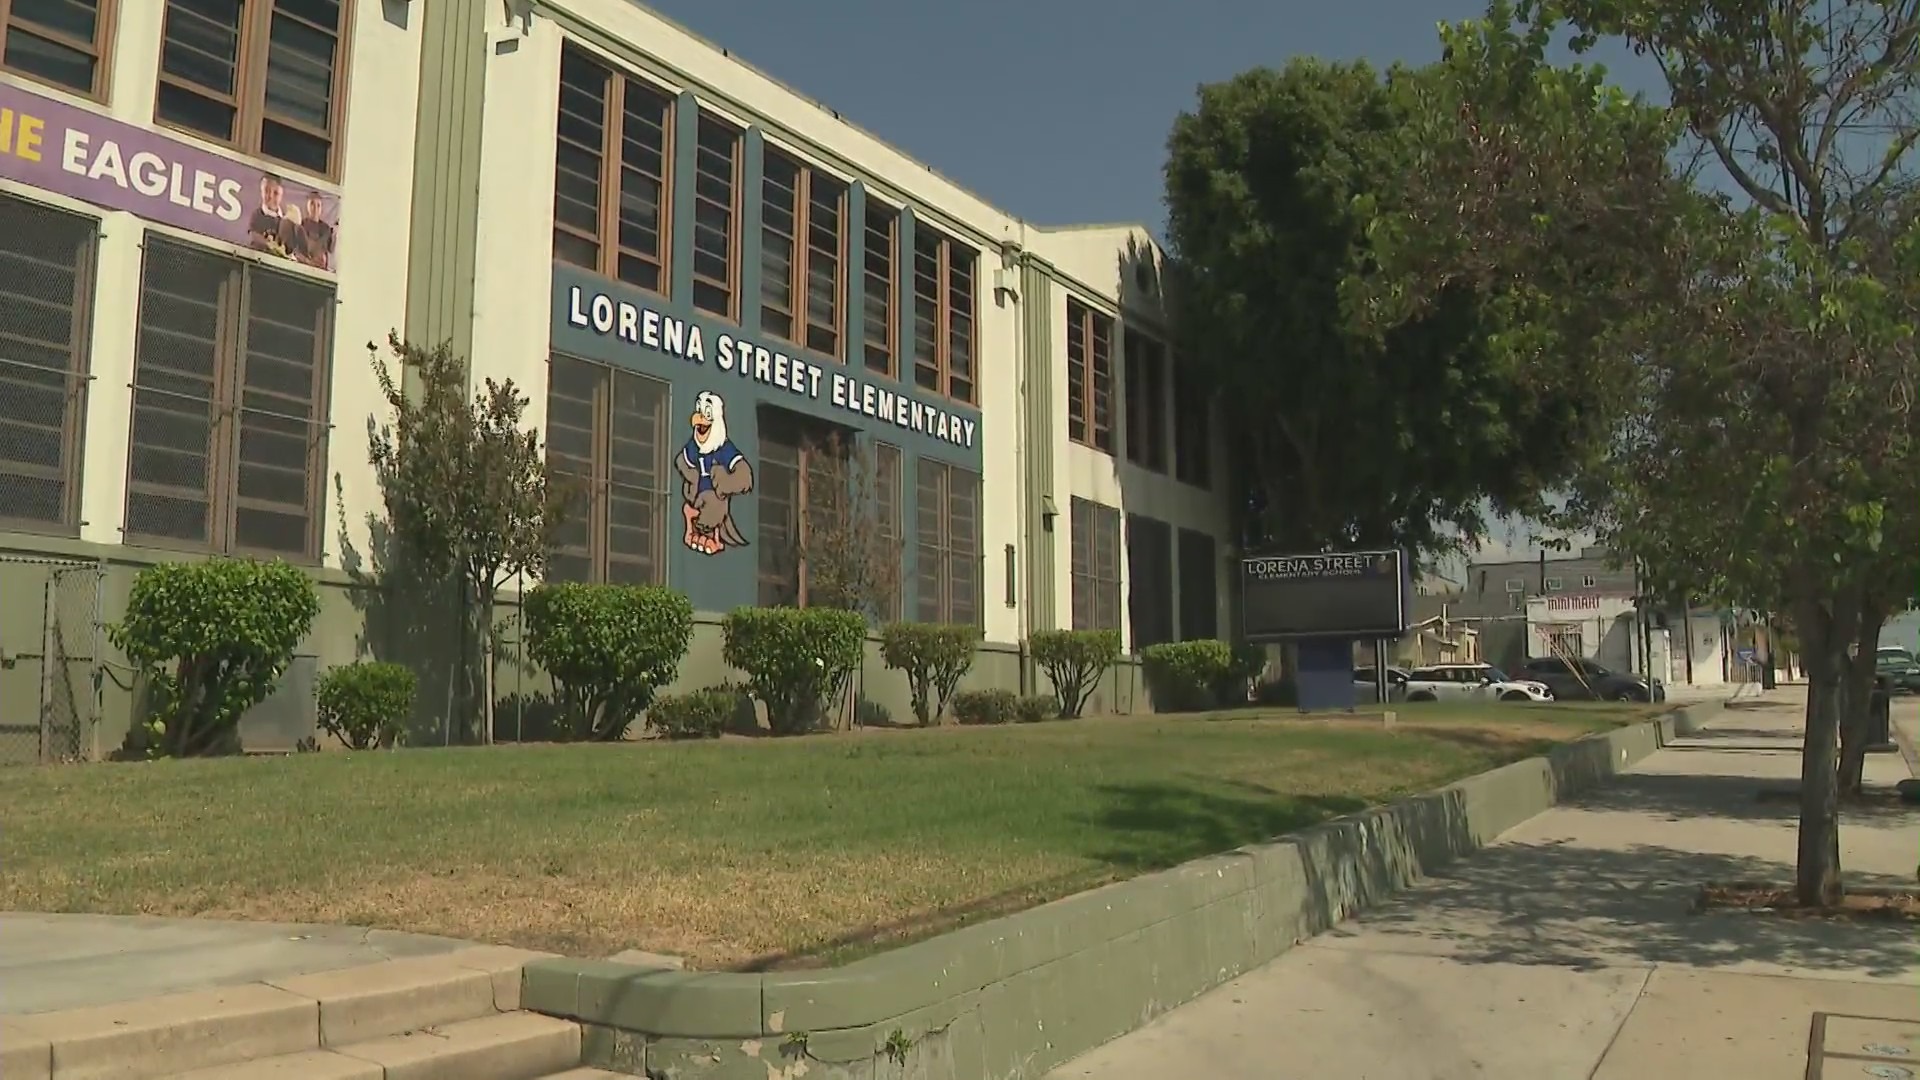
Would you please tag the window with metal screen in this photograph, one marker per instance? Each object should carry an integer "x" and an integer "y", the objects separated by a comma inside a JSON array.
[
  {"x": 262, "y": 76},
  {"x": 606, "y": 443},
  {"x": 228, "y": 440},
  {"x": 716, "y": 215},
  {"x": 1199, "y": 586},
  {"x": 948, "y": 554},
  {"x": 943, "y": 313},
  {"x": 46, "y": 288},
  {"x": 61, "y": 42},
  {"x": 879, "y": 329},
  {"x": 611, "y": 173},
  {"x": 1095, "y": 539},
  {"x": 1149, "y": 580},
  {"x": 1089, "y": 376}
]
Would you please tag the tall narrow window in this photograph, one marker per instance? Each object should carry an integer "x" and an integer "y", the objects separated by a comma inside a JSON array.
[
  {"x": 606, "y": 442},
  {"x": 1192, "y": 429},
  {"x": 228, "y": 441},
  {"x": 803, "y": 229},
  {"x": 263, "y": 76},
  {"x": 943, "y": 314},
  {"x": 610, "y": 173},
  {"x": 811, "y": 549},
  {"x": 1089, "y": 376},
  {"x": 886, "y": 497},
  {"x": 880, "y": 333},
  {"x": 46, "y": 285},
  {"x": 716, "y": 191},
  {"x": 1096, "y": 565},
  {"x": 1199, "y": 586},
  {"x": 1146, "y": 362},
  {"x": 949, "y": 544},
  {"x": 59, "y": 42},
  {"x": 1149, "y": 580}
]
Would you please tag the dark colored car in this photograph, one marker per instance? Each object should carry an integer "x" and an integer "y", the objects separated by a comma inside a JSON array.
[
  {"x": 1897, "y": 668},
  {"x": 1585, "y": 680}
]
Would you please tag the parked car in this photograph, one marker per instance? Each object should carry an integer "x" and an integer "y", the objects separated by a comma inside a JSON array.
[
  {"x": 1459, "y": 682},
  {"x": 1365, "y": 689},
  {"x": 1586, "y": 680},
  {"x": 1898, "y": 669}
]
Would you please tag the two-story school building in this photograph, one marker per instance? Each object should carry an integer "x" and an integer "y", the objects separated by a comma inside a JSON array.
[{"x": 701, "y": 279}]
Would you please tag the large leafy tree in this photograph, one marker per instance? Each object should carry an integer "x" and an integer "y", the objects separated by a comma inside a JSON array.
[
  {"x": 1766, "y": 388},
  {"x": 1351, "y": 431}
]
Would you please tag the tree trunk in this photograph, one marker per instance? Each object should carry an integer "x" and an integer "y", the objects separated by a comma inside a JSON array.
[
  {"x": 486, "y": 667},
  {"x": 1817, "y": 873}
]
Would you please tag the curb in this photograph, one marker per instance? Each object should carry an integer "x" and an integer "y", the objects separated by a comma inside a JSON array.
[{"x": 1012, "y": 998}]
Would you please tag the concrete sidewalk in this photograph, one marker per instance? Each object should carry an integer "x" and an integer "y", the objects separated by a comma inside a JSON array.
[
  {"x": 51, "y": 962},
  {"x": 1568, "y": 948}
]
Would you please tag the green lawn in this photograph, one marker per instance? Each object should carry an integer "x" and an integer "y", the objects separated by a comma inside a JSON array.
[{"x": 730, "y": 852}]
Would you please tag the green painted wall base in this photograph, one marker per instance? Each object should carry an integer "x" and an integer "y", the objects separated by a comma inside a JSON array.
[{"x": 1013, "y": 998}]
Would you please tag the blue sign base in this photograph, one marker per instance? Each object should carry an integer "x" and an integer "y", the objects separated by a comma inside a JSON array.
[{"x": 1325, "y": 676}]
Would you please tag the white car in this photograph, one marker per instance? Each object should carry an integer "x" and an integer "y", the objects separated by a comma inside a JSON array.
[{"x": 1459, "y": 682}]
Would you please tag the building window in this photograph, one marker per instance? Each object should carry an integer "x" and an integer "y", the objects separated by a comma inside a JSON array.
[
  {"x": 803, "y": 232},
  {"x": 1588, "y": 582},
  {"x": 262, "y": 76},
  {"x": 62, "y": 43},
  {"x": 229, "y": 405},
  {"x": 611, "y": 173},
  {"x": 1149, "y": 580},
  {"x": 1199, "y": 587},
  {"x": 1089, "y": 376},
  {"x": 943, "y": 295},
  {"x": 1146, "y": 362},
  {"x": 879, "y": 337},
  {"x": 1554, "y": 584},
  {"x": 798, "y": 458},
  {"x": 829, "y": 528},
  {"x": 1192, "y": 430},
  {"x": 606, "y": 441},
  {"x": 46, "y": 288},
  {"x": 949, "y": 544},
  {"x": 716, "y": 214},
  {"x": 1095, "y": 565}
]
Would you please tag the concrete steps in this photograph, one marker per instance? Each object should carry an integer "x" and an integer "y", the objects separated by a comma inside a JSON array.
[{"x": 449, "y": 1017}]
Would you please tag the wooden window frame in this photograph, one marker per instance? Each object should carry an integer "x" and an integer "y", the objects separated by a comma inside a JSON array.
[
  {"x": 598, "y": 553},
  {"x": 1146, "y": 405},
  {"x": 249, "y": 101},
  {"x": 609, "y": 250},
  {"x": 1192, "y": 430},
  {"x": 225, "y": 408},
  {"x": 810, "y": 438},
  {"x": 106, "y": 21},
  {"x": 800, "y": 269},
  {"x": 944, "y": 549},
  {"x": 78, "y": 378},
  {"x": 1085, "y": 578},
  {"x": 946, "y": 246},
  {"x": 731, "y": 285},
  {"x": 889, "y": 340},
  {"x": 1083, "y": 410}
]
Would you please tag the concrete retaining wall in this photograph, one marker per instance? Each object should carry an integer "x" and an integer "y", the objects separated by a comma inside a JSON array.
[{"x": 1012, "y": 998}]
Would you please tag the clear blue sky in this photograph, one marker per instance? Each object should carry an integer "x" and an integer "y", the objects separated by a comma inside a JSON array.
[{"x": 1074, "y": 127}]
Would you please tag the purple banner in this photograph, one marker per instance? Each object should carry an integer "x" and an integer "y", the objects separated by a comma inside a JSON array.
[{"x": 57, "y": 147}]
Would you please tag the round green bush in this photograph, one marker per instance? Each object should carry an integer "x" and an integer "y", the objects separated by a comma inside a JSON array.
[
  {"x": 986, "y": 706},
  {"x": 797, "y": 660},
  {"x": 1187, "y": 676},
  {"x": 697, "y": 714},
  {"x": 607, "y": 648},
  {"x": 365, "y": 705},
  {"x": 935, "y": 658}
]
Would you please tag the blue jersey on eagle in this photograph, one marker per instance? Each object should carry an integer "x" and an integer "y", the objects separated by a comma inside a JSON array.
[{"x": 724, "y": 456}]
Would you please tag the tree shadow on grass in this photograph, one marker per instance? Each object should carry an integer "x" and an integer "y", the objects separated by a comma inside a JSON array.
[
  {"x": 1557, "y": 903},
  {"x": 1155, "y": 825}
]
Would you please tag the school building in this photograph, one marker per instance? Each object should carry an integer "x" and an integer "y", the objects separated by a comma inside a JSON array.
[{"x": 702, "y": 279}]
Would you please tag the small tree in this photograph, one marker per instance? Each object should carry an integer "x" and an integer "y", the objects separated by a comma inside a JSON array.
[
  {"x": 466, "y": 490},
  {"x": 608, "y": 648},
  {"x": 1075, "y": 661},
  {"x": 849, "y": 541},
  {"x": 211, "y": 640},
  {"x": 364, "y": 705},
  {"x": 935, "y": 659},
  {"x": 797, "y": 660}
]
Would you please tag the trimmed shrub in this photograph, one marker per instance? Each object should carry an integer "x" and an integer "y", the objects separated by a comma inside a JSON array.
[
  {"x": 697, "y": 714},
  {"x": 1279, "y": 692},
  {"x": 1037, "y": 707},
  {"x": 1075, "y": 661},
  {"x": 797, "y": 660},
  {"x": 365, "y": 705},
  {"x": 935, "y": 657},
  {"x": 210, "y": 640},
  {"x": 1249, "y": 664},
  {"x": 1187, "y": 676},
  {"x": 607, "y": 648},
  {"x": 986, "y": 706}
]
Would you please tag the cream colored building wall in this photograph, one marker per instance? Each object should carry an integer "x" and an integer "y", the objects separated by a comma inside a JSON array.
[
  {"x": 371, "y": 250},
  {"x": 1096, "y": 265}
]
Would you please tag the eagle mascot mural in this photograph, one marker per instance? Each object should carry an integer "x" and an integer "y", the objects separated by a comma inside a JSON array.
[{"x": 715, "y": 472}]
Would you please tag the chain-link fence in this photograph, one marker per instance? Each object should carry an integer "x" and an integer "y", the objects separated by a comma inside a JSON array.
[{"x": 49, "y": 645}]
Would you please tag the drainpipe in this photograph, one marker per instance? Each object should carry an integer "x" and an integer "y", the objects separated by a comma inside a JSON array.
[{"x": 1011, "y": 262}]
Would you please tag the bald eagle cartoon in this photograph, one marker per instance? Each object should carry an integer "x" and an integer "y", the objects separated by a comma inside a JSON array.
[{"x": 715, "y": 471}]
